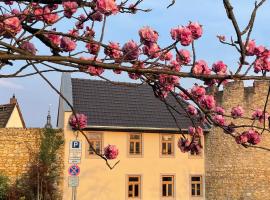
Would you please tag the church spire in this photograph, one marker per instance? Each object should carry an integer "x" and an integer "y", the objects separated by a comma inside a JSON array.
[{"x": 49, "y": 124}]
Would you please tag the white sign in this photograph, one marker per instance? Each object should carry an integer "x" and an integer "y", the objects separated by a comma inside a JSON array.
[
  {"x": 75, "y": 152},
  {"x": 73, "y": 181}
]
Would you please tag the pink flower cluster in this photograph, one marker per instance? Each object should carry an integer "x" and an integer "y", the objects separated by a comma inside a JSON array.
[
  {"x": 131, "y": 50},
  {"x": 219, "y": 68},
  {"x": 70, "y": 7},
  {"x": 111, "y": 152},
  {"x": 167, "y": 83},
  {"x": 107, "y": 7},
  {"x": 237, "y": 112},
  {"x": 219, "y": 110},
  {"x": 251, "y": 136},
  {"x": 183, "y": 57},
  {"x": 148, "y": 35},
  {"x": 55, "y": 39},
  {"x": 219, "y": 119},
  {"x": 152, "y": 50},
  {"x": 92, "y": 47},
  {"x": 198, "y": 91},
  {"x": 198, "y": 131},
  {"x": 136, "y": 76},
  {"x": 93, "y": 70},
  {"x": 184, "y": 145},
  {"x": 29, "y": 47},
  {"x": 166, "y": 56},
  {"x": 78, "y": 122},
  {"x": 201, "y": 67},
  {"x": 258, "y": 114},
  {"x": 10, "y": 26},
  {"x": 113, "y": 50},
  {"x": 45, "y": 14},
  {"x": 67, "y": 44},
  {"x": 186, "y": 35},
  {"x": 192, "y": 110}
]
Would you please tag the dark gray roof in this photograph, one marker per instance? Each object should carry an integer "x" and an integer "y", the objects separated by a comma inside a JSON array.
[
  {"x": 125, "y": 105},
  {"x": 5, "y": 113}
]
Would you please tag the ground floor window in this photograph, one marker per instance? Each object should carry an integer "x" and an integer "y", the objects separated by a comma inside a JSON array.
[
  {"x": 196, "y": 186},
  {"x": 167, "y": 186},
  {"x": 134, "y": 187}
]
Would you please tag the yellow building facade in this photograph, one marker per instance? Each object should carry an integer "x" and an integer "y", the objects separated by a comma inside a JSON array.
[
  {"x": 98, "y": 182},
  {"x": 151, "y": 166}
]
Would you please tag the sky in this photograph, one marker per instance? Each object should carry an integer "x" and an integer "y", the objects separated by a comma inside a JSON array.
[{"x": 34, "y": 95}]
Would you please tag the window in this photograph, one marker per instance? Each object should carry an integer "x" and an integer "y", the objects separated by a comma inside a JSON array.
[
  {"x": 96, "y": 141},
  {"x": 195, "y": 153},
  {"x": 134, "y": 187},
  {"x": 135, "y": 144},
  {"x": 167, "y": 186},
  {"x": 167, "y": 145},
  {"x": 196, "y": 186}
]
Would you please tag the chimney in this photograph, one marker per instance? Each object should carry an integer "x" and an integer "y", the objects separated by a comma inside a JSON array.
[{"x": 13, "y": 100}]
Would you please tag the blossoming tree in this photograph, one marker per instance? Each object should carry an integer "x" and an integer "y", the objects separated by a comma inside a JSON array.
[{"x": 81, "y": 50}]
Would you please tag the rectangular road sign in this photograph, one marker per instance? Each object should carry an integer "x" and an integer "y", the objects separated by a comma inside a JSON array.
[
  {"x": 73, "y": 181},
  {"x": 75, "y": 152}
]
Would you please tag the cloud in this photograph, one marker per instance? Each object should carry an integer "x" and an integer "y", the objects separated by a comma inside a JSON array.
[{"x": 8, "y": 84}]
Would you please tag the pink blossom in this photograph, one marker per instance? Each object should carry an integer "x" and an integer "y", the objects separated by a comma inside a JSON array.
[
  {"x": 222, "y": 38},
  {"x": 73, "y": 32},
  {"x": 117, "y": 71},
  {"x": 192, "y": 110},
  {"x": 152, "y": 50},
  {"x": 241, "y": 139},
  {"x": 93, "y": 70},
  {"x": 166, "y": 56},
  {"x": 92, "y": 47},
  {"x": 259, "y": 50},
  {"x": 237, "y": 112},
  {"x": 111, "y": 152},
  {"x": 80, "y": 23},
  {"x": 196, "y": 29},
  {"x": 182, "y": 34},
  {"x": 11, "y": 26},
  {"x": 219, "y": 119},
  {"x": 55, "y": 39},
  {"x": 70, "y": 7},
  {"x": 148, "y": 35},
  {"x": 174, "y": 66},
  {"x": 198, "y": 131},
  {"x": 80, "y": 121},
  {"x": 195, "y": 147},
  {"x": 198, "y": 91},
  {"x": 201, "y": 67},
  {"x": 131, "y": 50},
  {"x": 89, "y": 32},
  {"x": 219, "y": 110},
  {"x": 250, "y": 48},
  {"x": 107, "y": 7},
  {"x": 168, "y": 82},
  {"x": 67, "y": 44},
  {"x": 219, "y": 68},
  {"x": 29, "y": 47},
  {"x": 49, "y": 17},
  {"x": 7, "y": 2},
  {"x": 258, "y": 114},
  {"x": 136, "y": 76},
  {"x": 251, "y": 136},
  {"x": 262, "y": 63},
  {"x": 207, "y": 102},
  {"x": 96, "y": 16},
  {"x": 184, "y": 145},
  {"x": 113, "y": 50},
  {"x": 183, "y": 57}
]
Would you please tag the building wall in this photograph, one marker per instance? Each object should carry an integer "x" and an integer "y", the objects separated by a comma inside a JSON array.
[
  {"x": 15, "y": 120},
  {"x": 18, "y": 147},
  {"x": 98, "y": 182},
  {"x": 232, "y": 171}
]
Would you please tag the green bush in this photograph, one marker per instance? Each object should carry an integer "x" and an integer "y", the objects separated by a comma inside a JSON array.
[{"x": 3, "y": 186}]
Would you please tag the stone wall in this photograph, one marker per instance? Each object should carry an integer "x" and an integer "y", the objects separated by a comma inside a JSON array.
[
  {"x": 232, "y": 171},
  {"x": 18, "y": 150}
]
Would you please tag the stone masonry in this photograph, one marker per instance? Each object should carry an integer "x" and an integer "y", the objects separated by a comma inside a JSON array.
[
  {"x": 18, "y": 149},
  {"x": 232, "y": 171}
]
